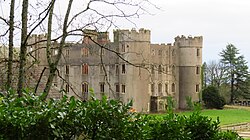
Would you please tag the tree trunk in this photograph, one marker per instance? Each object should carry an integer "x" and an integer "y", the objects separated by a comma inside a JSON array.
[
  {"x": 232, "y": 89},
  {"x": 11, "y": 36},
  {"x": 23, "y": 49},
  {"x": 53, "y": 66}
]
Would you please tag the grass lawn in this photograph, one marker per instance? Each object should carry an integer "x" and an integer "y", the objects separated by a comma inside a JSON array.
[{"x": 226, "y": 116}]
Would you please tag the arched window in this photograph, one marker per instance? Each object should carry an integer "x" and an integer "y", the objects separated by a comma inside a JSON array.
[
  {"x": 85, "y": 90},
  {"x": 85, "y": 52},
  {"x": 85, "y": 69}
]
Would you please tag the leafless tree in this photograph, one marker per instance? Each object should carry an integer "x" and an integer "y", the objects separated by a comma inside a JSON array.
[
  {"x": 71, "y": 19},
  {"x": 215, "y": 73}
]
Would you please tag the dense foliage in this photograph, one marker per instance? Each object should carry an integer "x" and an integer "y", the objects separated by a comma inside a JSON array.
[
  {"x": 28, "y": 117},
  {"x": 212, "y": 98}
]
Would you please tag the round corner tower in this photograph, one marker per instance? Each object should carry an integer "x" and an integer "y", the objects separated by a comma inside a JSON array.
[{"x": 190, "y": 61}]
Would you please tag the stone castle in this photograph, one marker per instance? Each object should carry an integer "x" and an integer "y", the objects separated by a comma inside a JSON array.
[{"x": 129, "y": 68}]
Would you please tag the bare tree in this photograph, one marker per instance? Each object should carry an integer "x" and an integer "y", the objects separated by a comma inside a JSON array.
[
  {"x": 215, "y": 73},
  {"x": 60, "y": 27},
  {"x": 23, "y": 49},
  {"x": 11, "y": 43},
  {"x": 100, "y": 20}
]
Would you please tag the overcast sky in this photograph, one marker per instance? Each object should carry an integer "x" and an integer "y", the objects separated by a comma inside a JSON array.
[{"x": 219, "y": 22}]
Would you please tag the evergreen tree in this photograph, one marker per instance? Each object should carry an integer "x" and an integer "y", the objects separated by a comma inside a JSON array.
[{"x": 236, "y": 72}]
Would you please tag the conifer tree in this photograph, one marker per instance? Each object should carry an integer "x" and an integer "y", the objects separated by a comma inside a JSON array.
[{"x": 236, "y": 73}]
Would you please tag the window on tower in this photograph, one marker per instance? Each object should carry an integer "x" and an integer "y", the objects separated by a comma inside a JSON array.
[
  {"x": 197, "y": 88},
  {"x": 198, "y": 52},
  {"x": 197, "y": 70}
]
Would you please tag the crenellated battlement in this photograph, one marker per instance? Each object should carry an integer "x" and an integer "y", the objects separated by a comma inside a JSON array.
[
  {"x": 132, "y": 35},
  {"x": 36, "y": 38},
  {"x": 188, "y": 41}
]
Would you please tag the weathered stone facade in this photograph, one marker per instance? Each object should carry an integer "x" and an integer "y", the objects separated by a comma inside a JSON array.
[{"x": 129, "y": 68}]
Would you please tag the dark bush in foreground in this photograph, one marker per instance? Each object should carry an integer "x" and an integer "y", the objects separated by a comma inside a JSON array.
[
  {"x": 30, "y": 118},
  {"x": 212, "y": 99}
]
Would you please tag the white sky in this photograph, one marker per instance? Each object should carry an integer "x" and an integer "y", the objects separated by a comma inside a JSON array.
[{"x": 219, "y": 22}]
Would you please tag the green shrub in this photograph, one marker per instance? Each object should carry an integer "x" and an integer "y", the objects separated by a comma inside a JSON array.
[
  {"x": 30, "y": 118},
  {"x": 194, "y": 127},
  {"x": 228, "y": 135},
  {"x": 68, "y": 118},
  {"x": 212, "y": 99}
]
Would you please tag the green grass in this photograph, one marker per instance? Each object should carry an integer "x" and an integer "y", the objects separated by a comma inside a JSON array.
[{"x": 226, "y": 116}]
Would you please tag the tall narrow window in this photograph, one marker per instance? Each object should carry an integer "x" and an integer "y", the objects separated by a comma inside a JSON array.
[
  {"x": 160, "y": 89},
  {"x": 67, "y": 69},
  {"x": 85, "y": 52},
  {"x": 85, "y": 69},
  {"x": 197, "y": 88},
  {"x": 160, "y": 69},
  {"x": 197, "y": 70},
  {"x": 198, "y": 52},
  {"x": 67, "y": 88},
  {"x": 173, "y": 69},
  {"x": 117, "y": 69},
  {"x": 102, "y": 87},
  {"x": 117, "y": 87},
  {"x": 152, "y": 69},
  {"x": 123, "y": 88},
  {"x": 123, "y": 48},
  {"x": 167, "y": 68},
  {"x": 67, "y": 52},
  {"x": 166, "y": 88},
  {"x": 101, "y": 52},
  {"x": 153, "y": 88},
  {"x": 173, "y": 87},
  {"x": 85, "y": 90},
  {"x": 173, "y": 53},
  {"x": 123, "y": 69}
]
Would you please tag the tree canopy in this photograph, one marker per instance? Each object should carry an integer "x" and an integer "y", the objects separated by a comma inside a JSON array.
[{"x": 236, "y": 72}]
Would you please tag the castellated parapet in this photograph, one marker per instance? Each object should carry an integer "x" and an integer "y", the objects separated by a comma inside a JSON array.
[
  {"x": 36, "y": 38},
  {"x": 188, "y": 41},
  {"x": 142, "y": 35},
  {"x": 171, "y": 69}
]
